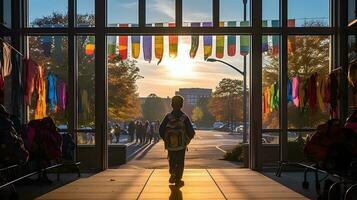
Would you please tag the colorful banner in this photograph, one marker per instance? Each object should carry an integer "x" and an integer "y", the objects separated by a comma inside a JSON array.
[
  {"x": 220, "y": 43},
  {"x": 135, "y": 46},
  {"x": 173, "y": 43},
  {"x": 231, "y": 40},
  {"x": 265, "y": 46},
  {"x": 112, "y": 41},
  {"x": 123, "y": 44},
  {"x": 207, "y": 41},
  {"x": 291, "y": 39},
  {"x": 276, "y": 38},
  {"x": 195, "y": 41},
  {"x": 90, "y": 45},
  {"x": 244, "y": 40},
  {"x": 159, "y": 45}
]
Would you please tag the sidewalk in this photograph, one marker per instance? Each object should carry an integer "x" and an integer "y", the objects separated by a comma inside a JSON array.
[{"x": 205, "y": 184}]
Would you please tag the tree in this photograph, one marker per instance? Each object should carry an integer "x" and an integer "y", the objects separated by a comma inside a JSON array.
[
  {"x": 155, "y": 108},
  {"x": 310, "y": 55},
  {"x": 207, "y": 118},
  {"x": 123, "y": 99},
  {"x": 197, "y": 115},
  {"x": 224, "y": 104}
]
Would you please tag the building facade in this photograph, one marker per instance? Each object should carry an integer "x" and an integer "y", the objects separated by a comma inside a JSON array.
[{"x": 192, "y": 95}]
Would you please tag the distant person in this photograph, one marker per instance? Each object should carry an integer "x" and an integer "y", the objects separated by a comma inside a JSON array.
[
  {"x": 141, "y": 132},
  {"x": 137, "y": 124},
  {"x": 149, "y": 131},
  {"x": 117, "y": 130},
  {"x": 131, "y": 130},
  {"x": 156, "y": 125},
  {"x": 176, "y": 130}
]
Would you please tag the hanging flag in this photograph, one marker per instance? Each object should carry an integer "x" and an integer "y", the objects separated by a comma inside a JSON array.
[
  {"x": 123, "y": 44},
  {"x": 135, "y": 46},
  {"x": 90, "y": 45},
  {"x": 265, "y": 46},
  {"x": 207, "y": 41},
  {"x": 244, "y": 40},
  {"x": 147, "y": 46},
  {"x": 220, "y": 43},
  {"x": 195, "y": 40},
  {"x": 291, "y": 39},
  {"x": 276, "y": 38},
  {"x": 173, "y": 43},
  {"x": 111, "y": 47},
  {"x": 159, "y": 45},
  {"x": 231, "y": 40}
]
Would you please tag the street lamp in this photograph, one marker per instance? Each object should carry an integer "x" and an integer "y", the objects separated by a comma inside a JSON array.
[{"x": 243, "y": 73}]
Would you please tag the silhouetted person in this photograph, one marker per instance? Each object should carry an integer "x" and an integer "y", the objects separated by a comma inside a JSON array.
[
  {"x": 131, "y": 130},
  {"x": 176, "y": 130},
  {"x": 117, "y": 130}
]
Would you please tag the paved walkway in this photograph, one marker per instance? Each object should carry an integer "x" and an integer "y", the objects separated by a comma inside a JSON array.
[{"x": 207, "y": 184}]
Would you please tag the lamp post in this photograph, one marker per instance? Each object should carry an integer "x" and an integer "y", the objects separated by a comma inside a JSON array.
[
  {"x": 243, "y": 73},
  {"x": 245, "y": 132}
]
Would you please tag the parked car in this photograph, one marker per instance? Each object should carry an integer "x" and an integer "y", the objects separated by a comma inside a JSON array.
[
  {"x": 194, "y": 126},
  {"x": 217, "y": 125},
  {"x": 239, "y": 129}
]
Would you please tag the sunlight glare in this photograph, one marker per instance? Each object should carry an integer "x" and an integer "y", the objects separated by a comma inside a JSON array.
[{"x": 182, "y": 66}]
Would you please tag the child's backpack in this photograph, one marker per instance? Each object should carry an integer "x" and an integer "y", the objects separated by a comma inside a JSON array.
[{"x": 175, "y": 133}]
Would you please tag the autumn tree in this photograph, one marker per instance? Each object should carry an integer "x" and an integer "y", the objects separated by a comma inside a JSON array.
[
  {"x": 155, "y": 108},
  {"x": 226, "y": 101},
  {"x": 197, "y": 115}
]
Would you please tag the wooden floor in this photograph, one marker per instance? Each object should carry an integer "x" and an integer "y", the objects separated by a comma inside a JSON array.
[{"x": 211, "y": 184}]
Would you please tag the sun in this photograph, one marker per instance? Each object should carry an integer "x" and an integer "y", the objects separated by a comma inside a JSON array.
[{"x": 181, "y": 66}]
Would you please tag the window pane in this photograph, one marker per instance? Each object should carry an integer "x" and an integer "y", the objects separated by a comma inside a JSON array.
[
  {"x": 5, "y": 17},
  {"x": 50, "y": 95},
  {"x": 352, "y": 10},
  {"x": 232, "y": 13},
  {"x": 123, "y": 12},
  {"x": 49, "y": 13},
  {"x": 160, "y": 11},
  {"x": 296, "y": 144},
  {"x": 308, "y": 71},
  {"x": 85, "y": 13},
  {"x": 86, "y": 89},
  {"x": 307, "y": 13},
  {"x": 270, "y": 84},
  {"x": 271, "y": 13},
  {"x": 196, "y": 11}
]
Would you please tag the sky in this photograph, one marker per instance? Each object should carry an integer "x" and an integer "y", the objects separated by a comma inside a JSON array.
[{"x": 172, "y": 74}]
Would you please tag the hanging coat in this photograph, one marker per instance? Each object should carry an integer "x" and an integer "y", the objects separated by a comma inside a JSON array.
[
  {"x": 6, "y": 66},
  {"x": 31, "y": 70},
  {"x": 295, "y": 83},
  {"x": 62, "y": 95},
  {"x": 40, "y": 110},
  {"x": 52, "y": 91}
]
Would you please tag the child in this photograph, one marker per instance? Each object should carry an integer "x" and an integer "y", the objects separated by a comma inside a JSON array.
[{"x": 176, "y": 130}]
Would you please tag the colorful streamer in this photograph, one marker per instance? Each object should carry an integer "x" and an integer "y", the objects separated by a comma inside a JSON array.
[
  {"x": 220, "y": 43},
  {"x": 123, "y": 44},
  {"x": 159, "y": 45},
  {"x": 147, "y": 46},
  {"x": 207, "y": 41},
  {"x": 265, "y": 46},
  {"x": 90, "y": 45},
  {"x": 111, "y": 47},
  {"x": 231, "y": 40},
  {"x": 291, "y": 39},
  {"x": 244, "y": 40},
  {"x": 276, "y": 39},
  {"x": 173, "y": 43},
  {"x": 135, "y": 46},
  {"x": 195, "y": 41}
]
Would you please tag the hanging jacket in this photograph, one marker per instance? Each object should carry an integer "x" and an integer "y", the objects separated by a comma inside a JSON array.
[
  {"x": 52, "y": 91},
  {"x": 295, "y": 90},
  {"x": 62, "y": 95},
  {"x": 311, "y": 92},
  {"x": 30, "y": 73},
  {"x": 6, "y": 66},
  {"x": 320, "y": 92},
  {"x": 40, "y": 110}
]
